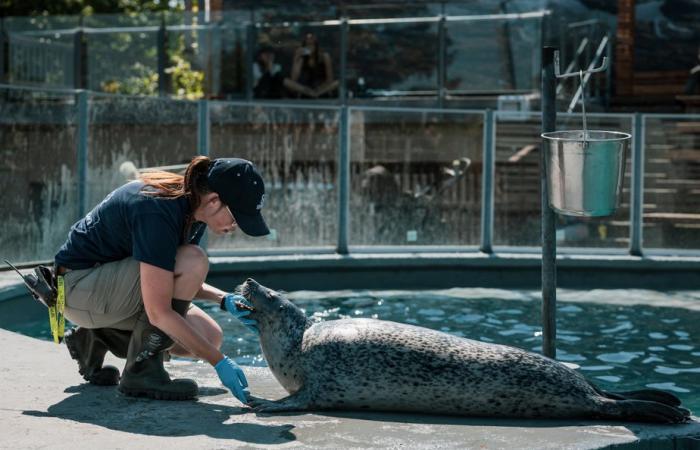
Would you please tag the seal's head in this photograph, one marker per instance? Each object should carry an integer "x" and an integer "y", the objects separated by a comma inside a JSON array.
[
  {"x": 281, "y": 325},
  {"x": 271, "y": 308}
]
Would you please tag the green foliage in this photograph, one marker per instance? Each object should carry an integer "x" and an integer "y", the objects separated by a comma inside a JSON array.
[
  {"x": 139, "y": 79},
  {"x": 85, "y": 7},
  {"x": 186, "y": 82},
  {"x": 144, "y": 81}
]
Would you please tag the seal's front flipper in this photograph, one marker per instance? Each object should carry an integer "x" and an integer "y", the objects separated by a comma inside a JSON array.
[{"x": 298, "y": 401}]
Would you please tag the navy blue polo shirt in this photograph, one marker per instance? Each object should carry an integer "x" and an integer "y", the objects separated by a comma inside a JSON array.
[{"x": 129, "y": 222}]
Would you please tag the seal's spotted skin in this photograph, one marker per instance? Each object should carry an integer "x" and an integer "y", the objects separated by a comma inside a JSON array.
[{"x": 366, "y": 364}]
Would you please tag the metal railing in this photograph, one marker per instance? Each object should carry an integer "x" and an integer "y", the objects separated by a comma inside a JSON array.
[
  {"x": 345, "y": 113},
  {"x": 77, "y": 76}
]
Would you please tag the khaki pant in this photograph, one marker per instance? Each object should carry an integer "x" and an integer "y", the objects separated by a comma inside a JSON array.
[{"x": 105, "y": 296}]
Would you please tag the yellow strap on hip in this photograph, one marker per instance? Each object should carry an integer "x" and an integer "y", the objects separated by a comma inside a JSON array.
[{"x": 56, "y": 318}]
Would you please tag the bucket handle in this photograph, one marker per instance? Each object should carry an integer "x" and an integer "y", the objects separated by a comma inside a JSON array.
[{"x": 558, "y": 74}]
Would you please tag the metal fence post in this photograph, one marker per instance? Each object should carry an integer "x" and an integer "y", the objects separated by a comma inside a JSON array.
[
  {"x": 249, "y": 60},
  {"x": 4, "y": 47},
  {"x": 442, "y": 25},
  {"x": 81, "y": 100},
  {"x": 487, "y": 184},
  {"x": 79, "y": 55},
  {"x": 203, "y": 127},
  {"x": 637, "y": 186},
  {"x": 203, "y": 145},
  {"x": 343, "y": 180},
  {"x": 343, "y": 91},
  {"x": 549, "y": 243},
  {"x": 162, "y": 58}
]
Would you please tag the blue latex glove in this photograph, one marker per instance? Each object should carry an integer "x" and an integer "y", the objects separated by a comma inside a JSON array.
[
  {"x": 240, "y": 314},
  {"x": 232, "y": 376}
]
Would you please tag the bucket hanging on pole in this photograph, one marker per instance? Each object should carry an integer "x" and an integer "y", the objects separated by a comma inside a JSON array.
[{"x": 585, "y": 171}]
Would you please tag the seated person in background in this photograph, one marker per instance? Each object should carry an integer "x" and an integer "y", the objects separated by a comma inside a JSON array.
[
  {"x": 270, "y": 83},
  {"x": 692, "y": 86},
  {"x": 312, "y": 71}
]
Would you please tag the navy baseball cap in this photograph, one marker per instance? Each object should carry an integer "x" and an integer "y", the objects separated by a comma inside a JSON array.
[{"x": 241, "y": 188}]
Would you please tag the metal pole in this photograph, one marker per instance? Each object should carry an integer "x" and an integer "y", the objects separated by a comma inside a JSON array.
[
  {"x": 442, "y": 24},
  {"x": 81, "y": 99},
  {"x": 343, "y": 91},
  {"x": 549, "y": 243},
  {"x": 487, "y": 188},
  {"x": 162, "y": 59},
  {"x": 637, "y": 185},
  {"x": 343, "y": 181}
]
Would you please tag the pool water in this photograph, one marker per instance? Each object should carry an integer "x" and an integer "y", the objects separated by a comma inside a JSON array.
[{"x": 619, "y": 339}]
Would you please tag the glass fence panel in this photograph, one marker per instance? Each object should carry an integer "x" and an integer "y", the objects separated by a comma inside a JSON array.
[
  {"x": 517, "y": 185},
  {"x": 392, "y": 59},
  {"x": 296, "y": 151},
  {"x": 128, "y": 134},
  {"x": 122, "y": 62},
  {"x": 40, "y": 58},
  {"x": 415, "y": 178},
  {"x": 38, "y": 177},
  {"x": 672, "y": 182},
  {"x": 506, "y": 53},
  {"x": 308, "y": 57},
  {"x": 192, "y": 67}
]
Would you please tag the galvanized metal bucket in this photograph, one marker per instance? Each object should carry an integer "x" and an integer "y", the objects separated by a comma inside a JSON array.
[{"x": 584, "y": 176}]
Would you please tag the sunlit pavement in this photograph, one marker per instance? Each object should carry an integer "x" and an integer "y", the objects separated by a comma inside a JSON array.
[{"x": 45, "y": 403}]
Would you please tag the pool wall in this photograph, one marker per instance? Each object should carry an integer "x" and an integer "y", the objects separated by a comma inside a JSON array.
[
  {"x": 442, "y": 271},
  {"x": 438, "y": 271},
  {"x": 414, "y": 271}
]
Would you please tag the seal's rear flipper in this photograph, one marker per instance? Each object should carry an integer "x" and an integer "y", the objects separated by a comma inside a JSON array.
[
  {"x": 645, "y": 411},
  {"x": 651, "y": 395}
]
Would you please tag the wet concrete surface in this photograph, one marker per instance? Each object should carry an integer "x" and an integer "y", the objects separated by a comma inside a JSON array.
[{"x": 44, "y": 403}]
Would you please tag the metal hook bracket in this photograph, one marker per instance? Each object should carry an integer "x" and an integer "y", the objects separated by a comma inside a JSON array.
[{"x": 603, "y": 66}]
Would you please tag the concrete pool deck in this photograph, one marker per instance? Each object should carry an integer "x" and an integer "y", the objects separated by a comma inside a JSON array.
[{"x": 45, "y": 403}]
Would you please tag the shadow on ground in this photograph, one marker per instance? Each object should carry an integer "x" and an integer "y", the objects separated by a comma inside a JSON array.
[
  {"x": 106, "y": 407},
  {"x": 441, "y": 419}
]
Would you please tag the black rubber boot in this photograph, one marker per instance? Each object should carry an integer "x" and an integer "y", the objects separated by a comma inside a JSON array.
[
  {"x": 89, "y": 347},
  {"x": 144, "y": 374}
]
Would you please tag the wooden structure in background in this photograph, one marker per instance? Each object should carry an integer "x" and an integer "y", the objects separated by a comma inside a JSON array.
[
  {"x": 624, "y": 50},
  {"x": 642, "y": 90}
]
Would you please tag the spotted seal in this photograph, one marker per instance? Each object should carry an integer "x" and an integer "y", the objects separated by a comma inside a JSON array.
[{"x": 366, "y": 364}]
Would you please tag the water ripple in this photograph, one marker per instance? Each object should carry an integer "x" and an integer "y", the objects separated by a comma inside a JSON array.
[
  {"x": 620, "y": 357},
  {"x": 670, "y": 386}
]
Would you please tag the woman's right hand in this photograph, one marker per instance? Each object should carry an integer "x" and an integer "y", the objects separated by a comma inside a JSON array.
[
  {"x": 232, "y": 376},
  {"x": 230, "y": 301}
]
